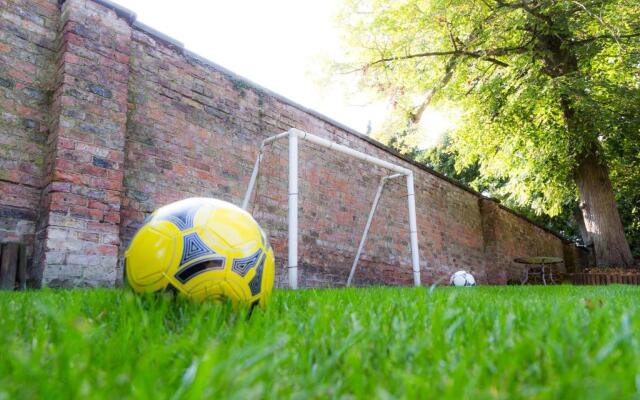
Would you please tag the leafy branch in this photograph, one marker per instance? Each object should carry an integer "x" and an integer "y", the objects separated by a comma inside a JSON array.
[
  {"x": 606, "y": 36},
  {"x": 486, "y": 55}
]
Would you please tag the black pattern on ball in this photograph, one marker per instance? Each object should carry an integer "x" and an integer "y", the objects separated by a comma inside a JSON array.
[
  {"x": 242, "y": 265},
  {"x": 193, "y": 247},
  {"x": 183, "y": 217},
  {"x": 189, "y": 272},
  {"x": 256, "y": 281}
]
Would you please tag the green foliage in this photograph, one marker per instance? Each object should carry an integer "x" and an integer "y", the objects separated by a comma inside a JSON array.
[
  {"x": 451, "y": 343},
  {"x": 625, "y": 173},
  {"x": 443, "y": 158},
  {"x": 541, "y": 83}
]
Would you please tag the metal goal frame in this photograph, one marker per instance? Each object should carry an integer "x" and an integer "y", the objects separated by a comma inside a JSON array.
[{"x": 293, "y": 136}]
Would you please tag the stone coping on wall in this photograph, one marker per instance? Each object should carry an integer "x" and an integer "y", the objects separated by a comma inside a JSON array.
[{"x": 131, "y": 18}]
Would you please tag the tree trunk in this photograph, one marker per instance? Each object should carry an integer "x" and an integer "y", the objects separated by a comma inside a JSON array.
[
  {"x": 582, "y": 228},
  {"x": 600, "y": 212}
]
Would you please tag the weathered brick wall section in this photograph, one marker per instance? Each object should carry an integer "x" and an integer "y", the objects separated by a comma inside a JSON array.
[
  {"x": 80, "y": 231},
  {"x": 516, "y": 239},
  {"x": 135, "y": 121},
  {"x": 489, "y": 212},
  {"x": 506, "y": 237},
  {"x": 28, "y": 31},
  {"x": 519, "y": 240}
]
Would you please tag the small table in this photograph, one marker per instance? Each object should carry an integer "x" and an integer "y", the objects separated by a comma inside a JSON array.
[{"x": 536, "y": 266}]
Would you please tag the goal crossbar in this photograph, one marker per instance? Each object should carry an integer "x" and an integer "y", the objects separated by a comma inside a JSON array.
[{"x": 293, "y": 136}]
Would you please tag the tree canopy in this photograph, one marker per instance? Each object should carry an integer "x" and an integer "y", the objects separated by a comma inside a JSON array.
[{"x": 549, "y": 91}]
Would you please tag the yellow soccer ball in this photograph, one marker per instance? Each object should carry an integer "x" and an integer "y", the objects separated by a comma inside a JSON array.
[{"x": 205, "y": 249}]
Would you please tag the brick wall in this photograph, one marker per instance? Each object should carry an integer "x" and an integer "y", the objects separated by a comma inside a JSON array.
[
  {"x": 28, "y": 33},
  {"x": 79, "y": 232},
  {"x": 506, "y": 238},
  {"x": 130, "y": 121}
]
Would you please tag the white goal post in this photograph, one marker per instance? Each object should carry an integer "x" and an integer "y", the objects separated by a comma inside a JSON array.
[{"x": 293, "y": 135}]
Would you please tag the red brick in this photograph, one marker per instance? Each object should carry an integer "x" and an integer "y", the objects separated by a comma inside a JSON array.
[
  {"x": 112, "y": 217},
  {"x": 89, "y": 237}
]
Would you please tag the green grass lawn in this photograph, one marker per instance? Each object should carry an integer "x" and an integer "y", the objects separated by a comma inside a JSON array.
[{"x": 484, "y": 342}]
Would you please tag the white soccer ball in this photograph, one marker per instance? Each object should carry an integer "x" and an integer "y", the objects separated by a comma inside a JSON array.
[{"x": 462, "y": 278}]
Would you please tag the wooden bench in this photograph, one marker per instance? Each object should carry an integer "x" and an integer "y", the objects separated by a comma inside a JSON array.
[{"x": 13, "y": 266}]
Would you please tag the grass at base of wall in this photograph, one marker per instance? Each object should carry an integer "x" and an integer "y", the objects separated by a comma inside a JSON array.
[{"x": 482, "y": 342}]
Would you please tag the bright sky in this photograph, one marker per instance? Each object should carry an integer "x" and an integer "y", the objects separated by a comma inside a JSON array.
[{"x": 275, "y": 43}]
